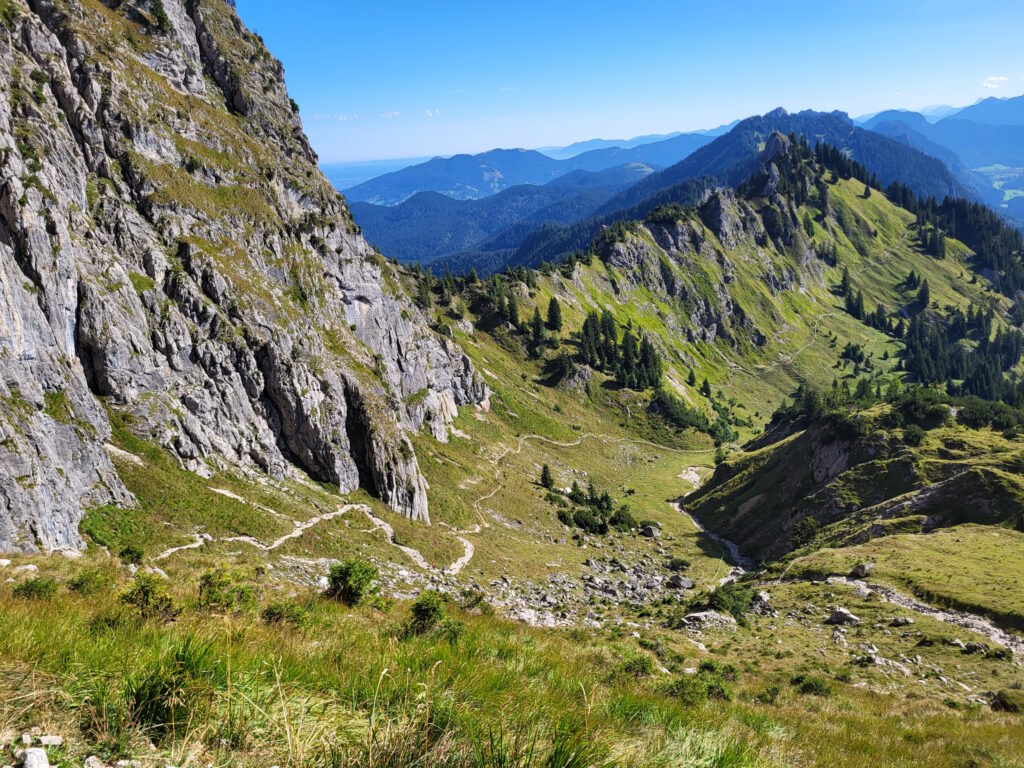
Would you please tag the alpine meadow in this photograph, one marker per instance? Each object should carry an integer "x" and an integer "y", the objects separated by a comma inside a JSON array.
[{"x": 700, "y": 448}]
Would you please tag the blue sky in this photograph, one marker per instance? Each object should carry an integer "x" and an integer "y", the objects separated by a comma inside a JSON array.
[{"x": 388, "y": 79}]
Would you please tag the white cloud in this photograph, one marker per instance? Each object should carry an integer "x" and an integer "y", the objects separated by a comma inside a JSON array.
[
  {"x": 433, "y": 112},
  {"x": 390, "y": 115},
  {"x": 994, "y": 81},
  {"x": 333, "y": 116}
]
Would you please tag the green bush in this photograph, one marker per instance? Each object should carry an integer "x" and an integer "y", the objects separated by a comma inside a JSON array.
[
  {"x": 622, "y": 519},
  {"x": 222, "y": 590},
  {"x": 351, "y": 581},
  {"x": 473, "y": 599},
  {"x": 689, "y": 689},
  {"x": 284, "y": 612},
  {"x": 636, "y": 665},
  {"x": 711, "y": 682},
  {"x": 427, "y": 612},
  {"x": 811, "y": 685},
  {"x": 130, "y": 554},
  {"x": 92, "y": 581},
  {"x": 913, "y": 435},
  {"x": 678, "y": 564},
  {"x": 732, "y": 599},
  {"x": 769, "y": 695},
  {"x": 39, "y": 588},
  {"x": 589, "y": 522},
  {"x": 1009, "y": 700},
  {"x": 148, "y": 595}
]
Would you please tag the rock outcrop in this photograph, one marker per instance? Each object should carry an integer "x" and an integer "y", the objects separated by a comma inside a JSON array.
[{"x": 169, "y": 251}]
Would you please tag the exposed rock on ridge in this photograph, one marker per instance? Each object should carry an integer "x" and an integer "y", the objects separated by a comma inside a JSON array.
[{"x": 167, "y": 244}]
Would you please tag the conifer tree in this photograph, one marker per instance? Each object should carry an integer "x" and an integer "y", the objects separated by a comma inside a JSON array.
[
  {"x": 924, "y": 297},
  {"x": 536, "y": 329},
  {"x": 844, "y": 284},
  {"x": 554, "y": 315},
  {"x": 512, "y": 309},
  {"x": 546, "y": 480},
  {"x": 628, "y": 362}
]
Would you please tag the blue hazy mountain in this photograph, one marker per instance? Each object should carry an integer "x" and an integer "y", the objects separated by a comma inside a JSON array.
[
  {"x": 726, "y": 161},
  {"x": 472, "y": 177},
  {"x": 431, "y": 225}
]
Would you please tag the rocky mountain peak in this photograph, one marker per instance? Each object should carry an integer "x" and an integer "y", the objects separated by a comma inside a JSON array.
[{"x": 170, "y": 251}]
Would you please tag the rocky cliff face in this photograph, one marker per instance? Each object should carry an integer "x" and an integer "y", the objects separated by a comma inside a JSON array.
[{"x": 169, "y": 250}]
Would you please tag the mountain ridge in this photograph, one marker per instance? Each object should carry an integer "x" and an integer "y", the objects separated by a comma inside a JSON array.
[{"x": 155, "y": 258}]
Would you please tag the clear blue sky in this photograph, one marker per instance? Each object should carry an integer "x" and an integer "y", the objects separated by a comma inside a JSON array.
[{"x": 380, "y": 79}]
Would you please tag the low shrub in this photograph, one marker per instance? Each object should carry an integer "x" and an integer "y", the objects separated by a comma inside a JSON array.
[
  {"x": 427, "y": 612},
  {"x": 284, "y": 612},
  {"x": 130, "y": 554},
  {"x": 811, "y": 685},
  {"x": 678, "y": 564},
  {"x": 636, "y": 665},
  {"x": 1009, "y": 700},
  {"x": 222, "y": 590},
  {"x": 39, "y": 588},
  {"x": 92, "y": 581},
  {"x": 351, "y": 581},
  {"x": 148, "y": 595}
]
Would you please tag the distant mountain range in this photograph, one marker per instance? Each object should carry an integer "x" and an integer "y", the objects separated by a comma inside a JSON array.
[
  {"x": 471, "y": 177},
  {"x": 579, "y": 147},
  {"x": 509, "y": 207},
  {"x": 430, "y": 225},
  {"x": 982, "y": 145},
  {"x": 726, "y": 161}
]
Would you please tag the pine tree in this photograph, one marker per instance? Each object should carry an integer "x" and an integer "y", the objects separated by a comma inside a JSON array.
[
  {"x": 844, "y": 284},
  {"x": 512, "y": 309},
  {"x": 609, "y": 341},
  {"x": 554, "y": 315},
  {"x": 650, "y": 368},
  {"x": 924, "y": 297},
  {"x": 692, "y": 378},
  {"x": 628, "y": 362},
  {"x": 536, "y": 329},
  {"x": 423, "y": 298},
  {"x": 705, "y": 388},
  {"x": 546, "y": 480}
]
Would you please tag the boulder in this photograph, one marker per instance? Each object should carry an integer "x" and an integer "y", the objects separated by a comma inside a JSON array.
[
  {"x": 844, "y": 617},
  {"x": 901, "y": 621},
  {"x": 707, "y": 619},
  {"x": 861, "y": 570},
  {"x": 35, "y": 757},
  {"x": 762, "y": 604},
  {"x": 650, "y": 531},
  {"x": 678, "y": 581}
]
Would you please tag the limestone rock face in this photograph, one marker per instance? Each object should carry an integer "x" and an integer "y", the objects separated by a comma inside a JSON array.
[{"x": 170, "y": 251}]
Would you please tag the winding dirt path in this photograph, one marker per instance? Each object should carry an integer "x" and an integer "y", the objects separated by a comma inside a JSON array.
[
  {"x": 301, "y": 527},
  {"x": 201, "y": 539}
]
